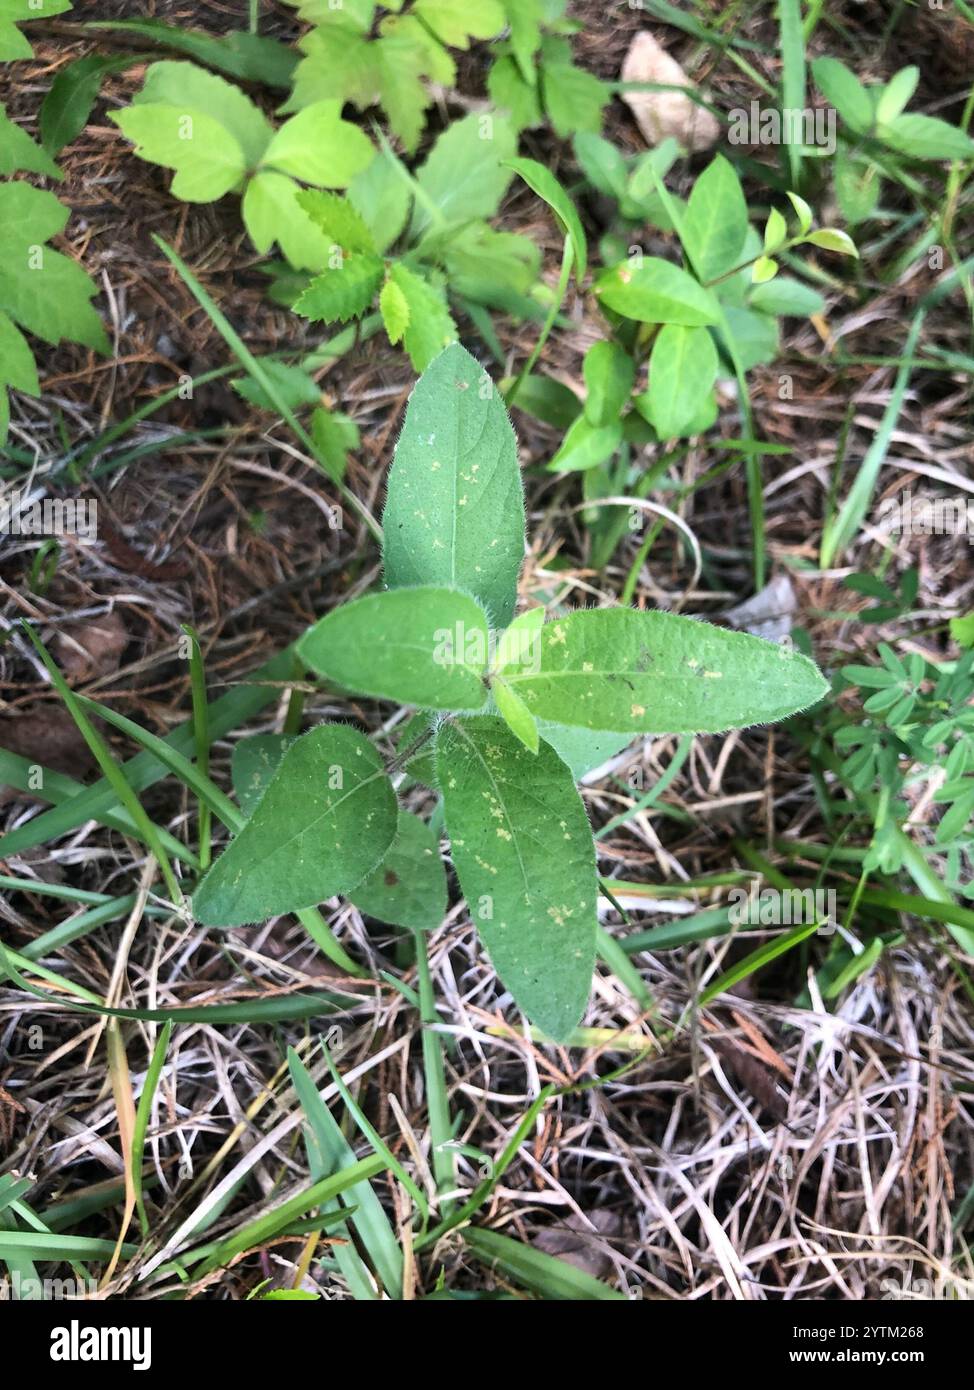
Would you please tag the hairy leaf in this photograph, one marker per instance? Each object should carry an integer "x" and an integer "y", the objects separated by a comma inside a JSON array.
[
  {"x": 420, "y": 646},
  {"x": 324, "y": 821},
  {"x": 454, "y": 514},
  {"x": 522, "y": 849},
  {"x": 662, "y": 673},
  {"x": 408, "y": 888}
]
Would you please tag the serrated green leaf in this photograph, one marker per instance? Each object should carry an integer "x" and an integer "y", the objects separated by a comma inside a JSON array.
[
  {"x": 509, "y": 91},
  {"x": 843, "y": 90},
  {"x": 715, "y": 223},
  {"x": 656, "y": 291},
  {"x": 455, "y": 512},
  {"x": 431, "y": 325},
  {"x": 408, "y": 888},
  {"x": 253, "y": 764},
  {"x": 573, "y": 98},
  {"x": 465, "y": 174},
  {"x": 338, "y": 219},
  {"x": 522, "y": 848},
  {"x": 659, "y": 672},
  {"x": 191, "y": 88},
  {"x": 609, "y": 373},
  {"x": 206, "y": 159},
  {"x": 46, "y": 293},
  {"x": 437, "y": 61},
  {"x": 13, "y": 43},
  {"x": 17, "y": 367},
  {"x": 318, "y": 147},
  {"x": 335, "y": 437},
  {"x": 343, "y": 292},
  {"x": 394, "y": 309},
  {"x": 324, "y": 821},
  {"x": 544, "y": 183},
  {"x": 272, "y": 211},
  {"x": 682, "y": 372},
  {"x": 421, "y": 646},
  {"x": 456, "y": 22},
  {"x": 402, "y": 64},
  {"x": 19, "y": 152}
]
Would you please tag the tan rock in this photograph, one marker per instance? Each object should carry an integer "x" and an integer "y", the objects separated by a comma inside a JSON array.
[{"x": 660, "y": 115}]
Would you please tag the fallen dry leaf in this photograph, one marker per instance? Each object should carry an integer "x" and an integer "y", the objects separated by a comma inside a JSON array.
[
  {"x": 578, "y": 1245},
  {"x": 660, "y": 115},
  {"x": 92, "y": 648}
]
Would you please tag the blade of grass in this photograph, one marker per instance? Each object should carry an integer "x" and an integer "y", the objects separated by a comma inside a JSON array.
[
  {"x": 201, "y": 731},
  {"x": 792, "y": 78},
  {"x": 142, "y": 1115},
  {"x": 840, "y": 530},
  {"x": 110, "y": 768},
  {"x": 538, "y": 1271}
]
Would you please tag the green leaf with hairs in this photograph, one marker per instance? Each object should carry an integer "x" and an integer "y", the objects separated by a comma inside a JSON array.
[
  {"x": 662, "y": 673},
  {"x": 408, "y": 888},
  {"x": 422, "y": 646},
  {"x": 324, "y": 821},
  {"x": 430, "y": 327},
  {"x": 342, "y": 292},
  {"x": 522, "y": 848},
  {"x": 454, "y": 512}
]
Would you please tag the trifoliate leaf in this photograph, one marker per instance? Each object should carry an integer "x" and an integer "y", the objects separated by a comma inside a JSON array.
[{"x": 325, "y": 820}]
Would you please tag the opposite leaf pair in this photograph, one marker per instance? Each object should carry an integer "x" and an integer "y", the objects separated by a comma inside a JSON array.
[{"x": 519, "y": 834}]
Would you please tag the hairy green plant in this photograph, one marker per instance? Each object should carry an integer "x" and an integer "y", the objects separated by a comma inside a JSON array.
[{"x": 507, "y": 702}]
